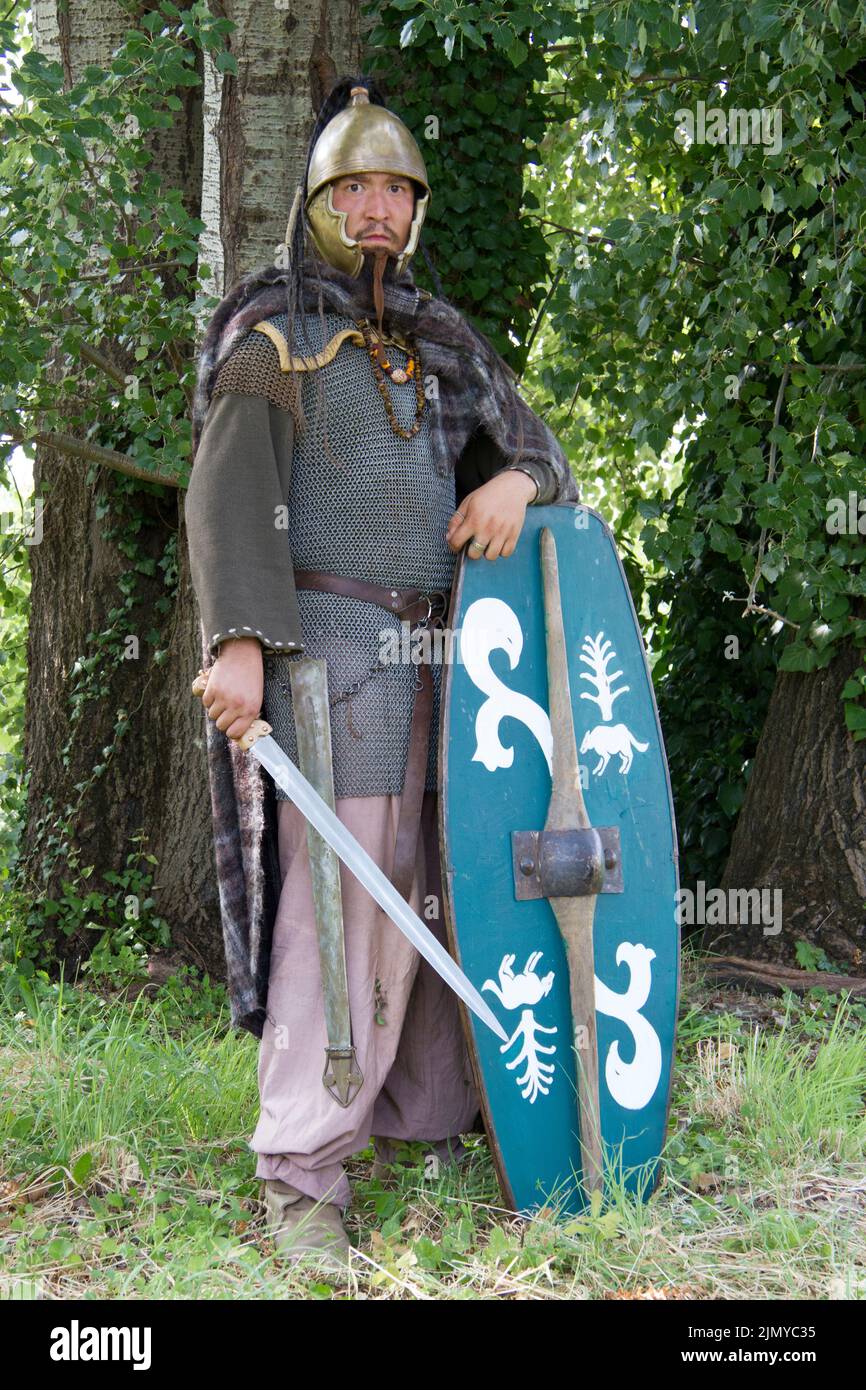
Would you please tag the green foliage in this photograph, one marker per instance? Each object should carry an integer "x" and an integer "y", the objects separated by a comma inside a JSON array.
[
  {"x": 80, "y": 910},
  {"x": 477, "y": 128},
  {"x": 123, "y": 922},
  {"x": 708, "y": 304},
  {"x": 190, "y": 997},
  {"x": 714, "y": 683},
  {"x": 17, "y": 532},
  {"x": 92, "y": 240},
  {"x": 812, "y": 957}
]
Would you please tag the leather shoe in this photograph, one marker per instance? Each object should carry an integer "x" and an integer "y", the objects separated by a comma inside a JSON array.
[{"x": 301, "y": 1227}]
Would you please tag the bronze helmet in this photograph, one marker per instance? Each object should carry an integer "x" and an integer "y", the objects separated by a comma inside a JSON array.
[{"x": 363, "y": 138}]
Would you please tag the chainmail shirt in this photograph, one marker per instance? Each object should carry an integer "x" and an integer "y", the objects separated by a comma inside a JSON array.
[{"x": 381, "y": 516}]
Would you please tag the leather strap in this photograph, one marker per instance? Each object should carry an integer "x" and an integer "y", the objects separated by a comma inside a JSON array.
[
  {"x": 412, "y": 605},
  {"x": 409, "y": 823}
]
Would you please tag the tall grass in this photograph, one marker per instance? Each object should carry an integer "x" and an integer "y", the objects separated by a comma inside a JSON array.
[{"x": 126, "y": 1171}]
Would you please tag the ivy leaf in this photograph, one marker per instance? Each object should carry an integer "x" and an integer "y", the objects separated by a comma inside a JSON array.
[
  {"x": 798, "y": 657},
  {"x": 731, "y": 797},
  {"x": 855, "y": 717},
  {"x": 799, "y": 609}
]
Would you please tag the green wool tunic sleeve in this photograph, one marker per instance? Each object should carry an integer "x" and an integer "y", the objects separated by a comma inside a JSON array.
[
  {"x": 240, "y": 557},
  {"x": 482, "y": 459},
  {"x": 544, "y": 476}
]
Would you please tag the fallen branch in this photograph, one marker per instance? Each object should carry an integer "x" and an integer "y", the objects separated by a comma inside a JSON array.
[{"x": 765, "y": 978}]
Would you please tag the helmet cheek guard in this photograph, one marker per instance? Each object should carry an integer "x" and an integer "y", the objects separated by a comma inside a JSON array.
[{"x": 328, "y": 230}]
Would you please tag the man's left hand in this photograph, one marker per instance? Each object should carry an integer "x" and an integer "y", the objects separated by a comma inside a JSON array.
[{"x": 492, "y": 515}]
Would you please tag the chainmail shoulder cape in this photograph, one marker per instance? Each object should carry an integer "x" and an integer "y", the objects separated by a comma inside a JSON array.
[{"x": 476, "y": 393}]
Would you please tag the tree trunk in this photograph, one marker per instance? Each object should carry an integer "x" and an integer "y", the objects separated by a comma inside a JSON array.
[
  {"x": 255, "y": 128},
  {"x": 256, "y": 125},
  {"x": 86, "y": 805},
  {"x": 236, "y": 152},
  {"x": 802, "y": 828}
]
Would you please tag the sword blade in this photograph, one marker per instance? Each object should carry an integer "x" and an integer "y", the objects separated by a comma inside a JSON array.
[{"x": 367, "y": 871}]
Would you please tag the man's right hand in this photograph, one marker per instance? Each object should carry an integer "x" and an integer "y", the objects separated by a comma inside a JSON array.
[{"x": 233, "y": 694}]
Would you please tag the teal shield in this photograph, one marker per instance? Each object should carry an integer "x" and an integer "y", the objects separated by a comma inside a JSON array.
[{"x": 496, "y": 770}]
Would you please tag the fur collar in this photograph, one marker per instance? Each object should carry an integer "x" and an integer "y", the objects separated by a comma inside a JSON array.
[{"x": 456, "y": 352}]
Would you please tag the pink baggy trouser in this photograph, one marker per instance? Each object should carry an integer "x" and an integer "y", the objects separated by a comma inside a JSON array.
[{"x": 406, "y": 1027}]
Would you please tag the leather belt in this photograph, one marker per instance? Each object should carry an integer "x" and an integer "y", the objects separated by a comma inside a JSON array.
[{"x": 410, "y": 604}]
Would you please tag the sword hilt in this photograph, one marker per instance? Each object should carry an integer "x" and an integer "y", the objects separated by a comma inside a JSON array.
[{"x": 257, "y": 729}]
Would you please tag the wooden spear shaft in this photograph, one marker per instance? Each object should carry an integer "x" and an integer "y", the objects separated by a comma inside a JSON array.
[{"x": 567, "y": 811}]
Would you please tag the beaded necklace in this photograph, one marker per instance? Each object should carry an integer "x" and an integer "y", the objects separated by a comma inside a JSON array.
[{"x": 399, "y": 375}]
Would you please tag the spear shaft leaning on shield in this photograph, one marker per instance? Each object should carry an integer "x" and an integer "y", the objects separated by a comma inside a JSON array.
[{"x": 574, "y": 914}]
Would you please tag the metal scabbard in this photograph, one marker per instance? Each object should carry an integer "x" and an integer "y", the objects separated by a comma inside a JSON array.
[{"x": 342, "y": 1076}]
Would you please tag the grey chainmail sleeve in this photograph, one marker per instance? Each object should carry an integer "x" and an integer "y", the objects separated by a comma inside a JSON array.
[{"x": 253, "y": 369}]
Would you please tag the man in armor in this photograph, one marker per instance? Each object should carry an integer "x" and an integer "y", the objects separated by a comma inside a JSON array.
[{"x": 351, "y": 434}]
